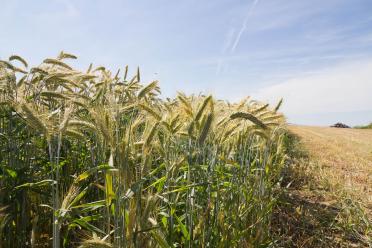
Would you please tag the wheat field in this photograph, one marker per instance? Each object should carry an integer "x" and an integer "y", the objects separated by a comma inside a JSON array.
[{"x": 99, "y": 159}]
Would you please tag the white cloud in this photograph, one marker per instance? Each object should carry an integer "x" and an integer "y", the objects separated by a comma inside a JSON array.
[{"x": 343, "y": 88}]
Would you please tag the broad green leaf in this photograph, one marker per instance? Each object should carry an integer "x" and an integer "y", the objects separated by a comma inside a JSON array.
[
  {"x": 12, "y": 173},
  {"x": 38, "y": 184},
  {"x": 159, "y": 181},
  {"x": 83, "y": 223},
  {"x": 183, "y": 228},
  {"x": 100, "y": 203},
  {"x": 78, "y": 197},
  {"x": 89, "y": 172}
]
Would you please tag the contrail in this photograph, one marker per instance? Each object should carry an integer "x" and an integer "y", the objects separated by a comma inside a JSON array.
[
  {"x": 244, "y": 26},
  {"x": 219, "y": 67},
  {"x": 231, "y": 49}
]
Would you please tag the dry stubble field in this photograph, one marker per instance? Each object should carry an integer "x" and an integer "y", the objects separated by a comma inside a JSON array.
[{"x": 345, "y": 156}]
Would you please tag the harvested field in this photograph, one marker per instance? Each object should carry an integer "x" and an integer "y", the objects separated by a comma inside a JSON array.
[
  {"x": 345, "y": 156},
  {"x": 328, "y": 198}
]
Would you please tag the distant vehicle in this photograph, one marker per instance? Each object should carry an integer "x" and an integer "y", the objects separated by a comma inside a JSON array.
[{"x": 340, "y": 125}]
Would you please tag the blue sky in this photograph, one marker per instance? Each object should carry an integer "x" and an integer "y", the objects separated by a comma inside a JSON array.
[{"x": 316, "y": 54}]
